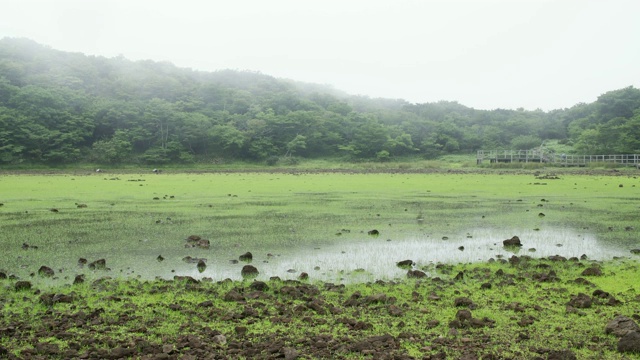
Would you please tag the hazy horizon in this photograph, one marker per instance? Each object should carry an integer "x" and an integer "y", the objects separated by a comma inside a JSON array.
[{"x": 535, "y": 54}]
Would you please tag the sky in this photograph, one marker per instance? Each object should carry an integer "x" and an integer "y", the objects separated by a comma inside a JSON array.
[{"x": 485, "y": 54}]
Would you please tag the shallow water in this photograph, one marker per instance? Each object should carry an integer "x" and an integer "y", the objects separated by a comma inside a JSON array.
[{"x": 369, "y": 259}]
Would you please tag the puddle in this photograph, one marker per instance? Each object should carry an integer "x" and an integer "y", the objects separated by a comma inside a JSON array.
[{"x": 373, "y": 259}]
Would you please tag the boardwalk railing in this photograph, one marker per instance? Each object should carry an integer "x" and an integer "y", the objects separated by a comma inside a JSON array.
[{"x": 509, "y": 156}]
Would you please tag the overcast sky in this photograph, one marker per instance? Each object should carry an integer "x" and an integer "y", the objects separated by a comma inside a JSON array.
[{"x": 483, "y": 54}]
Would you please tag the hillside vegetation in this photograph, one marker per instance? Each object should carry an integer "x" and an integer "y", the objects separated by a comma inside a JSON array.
[{"x": 58, "y": 107}]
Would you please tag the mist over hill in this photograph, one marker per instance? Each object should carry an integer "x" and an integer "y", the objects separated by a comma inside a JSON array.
[{"x": 60, "y": 107}]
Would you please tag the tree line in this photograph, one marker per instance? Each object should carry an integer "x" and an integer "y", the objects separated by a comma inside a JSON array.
[{"x": 59, "y": 107}]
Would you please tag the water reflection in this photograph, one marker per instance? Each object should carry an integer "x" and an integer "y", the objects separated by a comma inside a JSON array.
[{"x": 370, "y": 259}]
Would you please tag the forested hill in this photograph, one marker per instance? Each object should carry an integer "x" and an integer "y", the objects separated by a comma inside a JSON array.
[{"x": 59, "y": 107}]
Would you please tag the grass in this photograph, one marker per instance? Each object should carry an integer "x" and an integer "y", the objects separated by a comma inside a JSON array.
[
  {"x": 282, "y": 213},
  {"x": 131, "y": 218}
]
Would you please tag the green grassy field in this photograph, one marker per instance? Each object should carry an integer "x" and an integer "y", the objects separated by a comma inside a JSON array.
[{"x": 130, "y": 219}]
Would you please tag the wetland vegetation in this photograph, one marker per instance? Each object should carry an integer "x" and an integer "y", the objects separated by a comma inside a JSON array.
[{"x": 326, "y": 245}]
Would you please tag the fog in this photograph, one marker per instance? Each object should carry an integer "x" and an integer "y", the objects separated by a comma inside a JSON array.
[{"x": 483, "y": 54}]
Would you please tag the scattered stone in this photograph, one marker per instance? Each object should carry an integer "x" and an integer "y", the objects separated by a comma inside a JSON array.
[
  {"x": 580, "y": 301},
  {"x": 22, "y": 285},
  {"x": 46, "y": 271},
  {"x": 405, "y": 263},
  {"x": 620, "y": 326},
  {"x": 416, "y": 274},
  {"x": 219, "y": 339},
  {"x": 592, "y": 271},
  {"x": 373, "y": 232},
  {"x": 246, "y": 257},
  {"x": 463, "y": 302},
  {"x": 514, "y": 241},
  {"x": 201, "y": 266},
  {"x": 630, "y": 343},
  {"x": 249, "y": 271},
  {"x": 100, "y": 264},
  {"x": 79, "y": 279},
  {"x": 459, "y": 276}
]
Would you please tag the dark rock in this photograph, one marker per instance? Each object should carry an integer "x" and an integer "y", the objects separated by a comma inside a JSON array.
[
  {"x": 45, "y": 271},
  {"x": 581, "y": 301},
  {"x": 193, "y": 260},
  {"x": 246, "y": 257},
  {"x": 100, "y": 264},
  {"x": 416, "y": 274},
  {"x": 160, "y": 258},
  {"x": 3, "y": 275},
  {"x": 79, "y": 279},
  {"x": 459, "y": 276},
  {"x": 561, "y": 355},
  {"x": 635, "y": 251},
  {"x": 514, "y": 241},
  {"x": 22, "y": 285},
  {"x": 592, "y": 271},
  {"x": 373, "y": 232},
  {"x": 201, "y": 266},
  {"x": 630, "y": 343},
  {"x": 259, "y": 286},
  {"x": 620, "y": 326},
  {"x": 557, "y": 258},
  {"x": 405, "y": 263},
  {"x": 303, "y": 276},
  {"x": 233, "y": 295},
  {"x": 185, "y": 279},
  {"x": 249, "y": 271},
  {"x": 120, "y": 352},
  {"x": 82, "y": 262},
  {"x": 463, "y": 302}
]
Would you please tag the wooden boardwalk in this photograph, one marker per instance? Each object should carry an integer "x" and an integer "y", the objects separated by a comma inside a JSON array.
[{"x": 537, "y": 156}]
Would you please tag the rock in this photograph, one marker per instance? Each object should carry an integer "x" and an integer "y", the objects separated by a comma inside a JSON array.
[
  {"x": 303, "y": 276},
  {"x": 373, "y": 232},
  {"x": 514, "y": 241},
  {"x": 219, "y": 339},
  {"x": 463, "y": 302},
  {"x": 630, "y": 343},
  {"x": 592, "y": 271},
  {"x": 259, "y": 286},
  {"x": 290, "y": 353},
  {"x": 79, "y": 279},
  {"x": 416, "y": 274},
  {"x": 120, "y": 352},
  {"x": 620, "y": 326},
  {"x": 82, "y": 262},
  {"x": 246, "y": 257},
  {"x": 233, "y": 295},
  {"x": 580, "y": 301},
  {"x": 201, "y": 266},
  {"x": 635, "y": 251},
  {"x": 249, "y": 271},
  {"x": 22, "y": 285},
  {"x": 561, "y": 355},
  {"x": 405, "y": 263},
  {"x": 193, "y": 260},
  {"x": 99, "y": 264},
  {"x": 185, "y": 279},
  {"x": 45, "y": 271}
]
